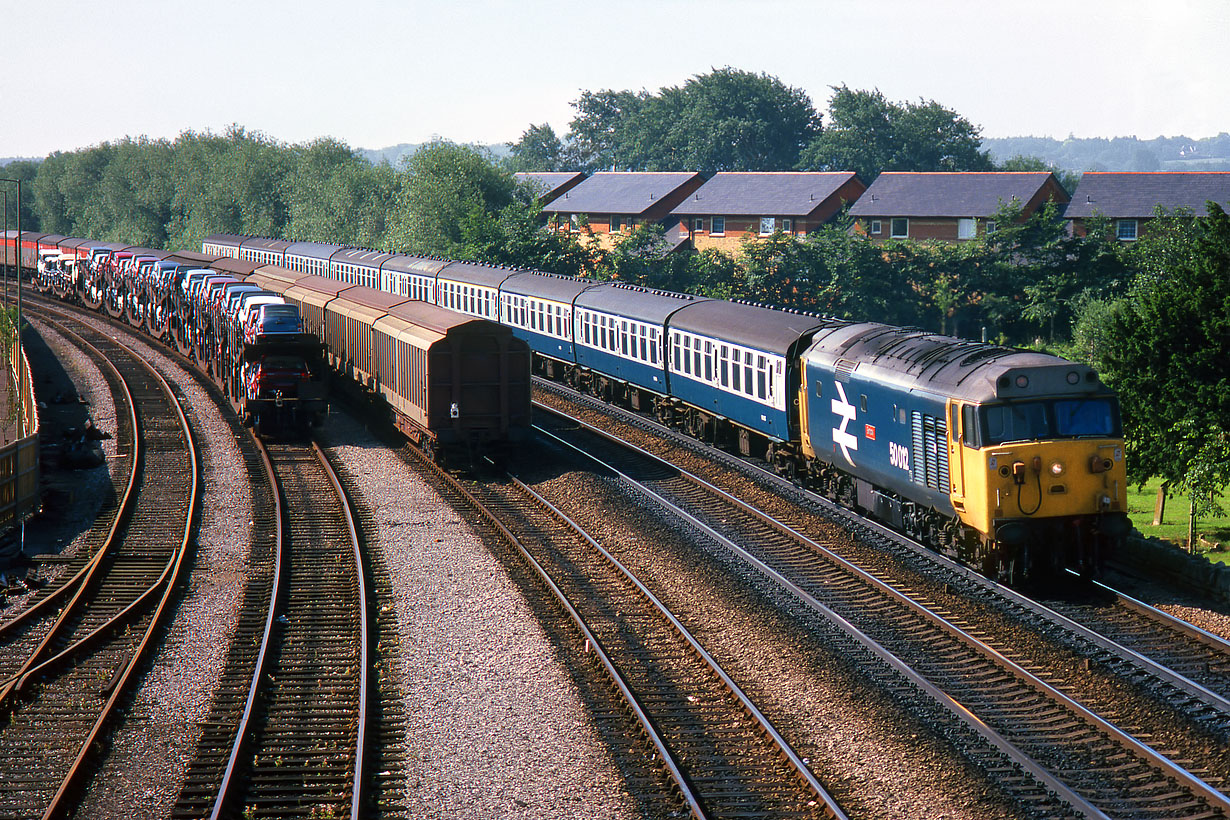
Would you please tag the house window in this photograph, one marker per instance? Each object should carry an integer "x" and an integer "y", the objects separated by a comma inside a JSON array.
[
  {"x": 1125, "y": 229},
  {"x": 990, "y": 227},
  {"x": 698, "y": 224},
  {"x": 617, "y": 223},
  {"x": 786, "y": 225},
  {"x": 966, "y": 228},
  {"x": 875, "y": 227},
  {"x": 768, "y": 224},
  {"x": 719, "y": 226},
  {"x": 574, "y": 222},
  {"x": 900, "y": 227}
]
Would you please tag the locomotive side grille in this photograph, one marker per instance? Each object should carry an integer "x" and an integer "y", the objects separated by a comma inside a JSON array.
[{"x": 929, "y": 467}]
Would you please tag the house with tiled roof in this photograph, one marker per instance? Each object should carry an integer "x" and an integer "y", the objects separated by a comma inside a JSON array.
[
  {"x": 948, "y": 206},
  {"x": 550, "y": 185},
  {"x": 1129, "y": 199},
  {"x": 734, "y": 205},
  {"x": 611, "y": 203}
]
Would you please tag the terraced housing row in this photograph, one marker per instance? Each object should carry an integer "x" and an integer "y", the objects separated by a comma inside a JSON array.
[{"x": 722, "y": 211}]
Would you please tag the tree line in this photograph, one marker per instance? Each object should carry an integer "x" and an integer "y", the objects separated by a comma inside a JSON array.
[{"x": 1151, "y": 315}]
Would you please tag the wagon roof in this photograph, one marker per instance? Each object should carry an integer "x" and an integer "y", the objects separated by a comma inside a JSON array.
[
  {"x": 193, "y": 258},
  {"x": 235, "y": 267},
  {"x": 376, "y": 299},
  {"x": 442, "y": 321}
]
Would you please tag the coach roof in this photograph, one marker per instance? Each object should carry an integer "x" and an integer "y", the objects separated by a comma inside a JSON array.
[{"x": 767, "y": 329}]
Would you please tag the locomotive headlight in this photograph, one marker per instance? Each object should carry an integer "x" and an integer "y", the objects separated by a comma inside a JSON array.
[{"x": 1056, "y": 468}]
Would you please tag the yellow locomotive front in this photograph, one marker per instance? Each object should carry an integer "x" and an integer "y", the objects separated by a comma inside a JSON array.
[{"x": 1038, "y": 471}]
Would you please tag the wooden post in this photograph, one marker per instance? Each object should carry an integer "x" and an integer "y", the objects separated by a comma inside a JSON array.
[
  {"x": 1191, "y": 528},
  {"x": 1159, "y": 509}
]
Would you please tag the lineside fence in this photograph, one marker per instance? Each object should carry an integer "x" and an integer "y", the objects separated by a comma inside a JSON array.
[{"x": 19, "y": 449}]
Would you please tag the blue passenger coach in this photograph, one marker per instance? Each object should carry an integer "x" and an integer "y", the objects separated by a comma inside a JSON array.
[
  {"x": 620, "y": 338},
  {"x": 740, "y": 362},
  {"x": 539, "y": 309}
]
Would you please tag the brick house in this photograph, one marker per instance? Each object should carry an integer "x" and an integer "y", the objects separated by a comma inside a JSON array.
[
  {"x": 946, "y": 206},
  {"x": 614, "y": 202},
  {"x": 1128, "y": 198},
  {"x": 550, "y": 186},
  {"x": 734, "y": 205}
]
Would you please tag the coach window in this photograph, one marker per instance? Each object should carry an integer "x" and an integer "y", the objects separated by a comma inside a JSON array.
[
  {"x": 724, "y": 366},
  {"x": 762, "y": 387},
  {"x": 623, "y": 338}
]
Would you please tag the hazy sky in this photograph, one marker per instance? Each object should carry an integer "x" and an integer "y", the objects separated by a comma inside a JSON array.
[{"x": 375, "y": 74}]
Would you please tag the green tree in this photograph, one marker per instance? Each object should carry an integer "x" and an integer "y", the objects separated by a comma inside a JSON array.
[
  {"x": 539, "y": 149},
  {"x": 731, "y": 120},
  {"x": 335, "y": 195},
  {"x": 726, "y": 120},
  {"x": 446, "y": 191},
  {"x": 1167, "y": 352},
  {"x": 26, "y": 171},
  {"x": 601, "y": 127},
  {"x": 867, "y": 134}
]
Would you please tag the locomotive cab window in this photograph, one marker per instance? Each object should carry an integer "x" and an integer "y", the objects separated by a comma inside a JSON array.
[
  {"x": 969, "y": 426},
  {"x": 1061, "y": 418}
]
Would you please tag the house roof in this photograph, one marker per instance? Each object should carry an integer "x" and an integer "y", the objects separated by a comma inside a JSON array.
[
  {"x": 619, "y": 192},
  {"x": 1136, "y": 194},
  {"x": 957, "y": 194},
  {"x": 784, "y": 193},
  {"x": 549, "y": 184}
]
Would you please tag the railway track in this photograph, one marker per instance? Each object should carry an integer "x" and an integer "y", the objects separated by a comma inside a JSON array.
[
  {"x": 1097, "y": 767},
  {"x": 73, "y": 654},
  {"x": 302, "y": 712},
  {"x": 722, "y": 756}
]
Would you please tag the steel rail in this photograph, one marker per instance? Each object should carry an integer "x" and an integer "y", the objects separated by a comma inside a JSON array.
[
  {"x": 1158, "y": 671},
  {"x": 675, "y": 769},
  {"x": 237, "y": 761},
  {"x": 767, "y": 728},
  {"x": 122, "y": 514},
  {"x": 1042, "y": 775},
  {"x": 120, "y": 684},
  {"x": 231, "y": 774},
  {"x": 360, "y": 781},
  {"x": 88, "y": 577}
]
